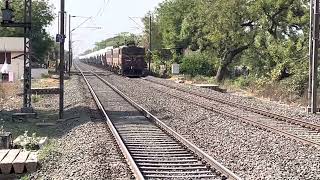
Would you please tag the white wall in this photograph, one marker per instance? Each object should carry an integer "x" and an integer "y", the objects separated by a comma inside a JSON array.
[
  {"x": 16, "y": 66},
  {"x": 15, "y": 45}
]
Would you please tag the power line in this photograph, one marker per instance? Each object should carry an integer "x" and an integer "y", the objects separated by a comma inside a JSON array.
[
  {"x": 101, "y": 10},
  {"x": 132, "y": 18},
  {"x": 82, "y": 23},
  {"x": 105, "y": 6}
]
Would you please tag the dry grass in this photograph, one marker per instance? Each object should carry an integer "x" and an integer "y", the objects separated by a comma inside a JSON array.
[
  {"x": 2, "y": 92},
  {"x": 9, "y": 89},
  {"x": 43, "y": 83}
]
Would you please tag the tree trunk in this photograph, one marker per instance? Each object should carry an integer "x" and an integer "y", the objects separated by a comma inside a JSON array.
[
  {"x": 221, "y": 73},
  {"x": 227, "y": 60}
]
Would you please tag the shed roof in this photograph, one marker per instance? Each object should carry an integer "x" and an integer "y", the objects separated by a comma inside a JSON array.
[{"x": 13, "y": 44}]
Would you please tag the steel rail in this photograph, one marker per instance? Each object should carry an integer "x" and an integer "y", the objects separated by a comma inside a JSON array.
[
  {"x": 136, "y": 171},
  {"x": 241, "y": 118},
  {"x": 252, "y": 109},
  {"x": 208, "y": 159}
]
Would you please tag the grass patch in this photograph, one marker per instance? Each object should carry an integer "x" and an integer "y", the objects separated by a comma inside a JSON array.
[
  {"x": 199, "y": 79},
  {"x": 46, "y": 150},
  {"x": 36, "y": 98},
  {"x": 45, "y": 76},
  {"x": 25, "y": 177},
  {"x": 29, "y": 125},
  {"x": 45, "y": 82}
]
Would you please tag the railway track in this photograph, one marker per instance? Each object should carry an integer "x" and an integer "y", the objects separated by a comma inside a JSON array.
[
  {"x": 152, "y": 149},
  {"x": 293, "y": 128}
]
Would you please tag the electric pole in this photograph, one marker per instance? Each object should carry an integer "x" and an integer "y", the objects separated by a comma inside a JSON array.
[
  {"x": 62, "y": 39},
  {"x": 315, "y": 30},
  {"x": 70, "y": 44},
  {"x": 27, "y": 57},
  {"x": 310, "y": 56},
  {"x": 150, "y": 41}
]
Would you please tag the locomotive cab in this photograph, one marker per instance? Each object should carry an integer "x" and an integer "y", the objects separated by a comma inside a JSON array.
[{"x": 133, "y": 61}]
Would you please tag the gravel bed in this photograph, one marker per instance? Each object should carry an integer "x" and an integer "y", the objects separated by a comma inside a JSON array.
[
  {"x": 248, "y": 151},
  {"x": 8, "y": 97},
  {"x": 86, "y": 152},
  {"x": 84, "y": 148},
  {"x": 276, "y": 107}
]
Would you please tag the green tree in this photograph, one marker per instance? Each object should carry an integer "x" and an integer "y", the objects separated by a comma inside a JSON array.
[
  {"x": 171, "y": 14},
  {"x": 283, "y": 35},
  {"x": 155, "y": 32},
  {"x": 268, "y": 36},
  {"x": 228, "y": 30},
  {"x": 119, "y": 40}
]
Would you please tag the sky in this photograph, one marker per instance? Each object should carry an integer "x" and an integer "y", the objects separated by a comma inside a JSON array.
[{"x": 111, "y": 15}]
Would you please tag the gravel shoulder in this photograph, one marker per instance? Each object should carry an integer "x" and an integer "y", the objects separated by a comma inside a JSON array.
[{"x": 276, "y": 107}]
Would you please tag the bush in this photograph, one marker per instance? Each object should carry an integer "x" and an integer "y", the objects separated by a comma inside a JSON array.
[
  {"x": 27, "y": 142},
  {"x": 296, "y": 84},
  {"x": 197, "y": 64},
  {"x": 242, "y": 82}
]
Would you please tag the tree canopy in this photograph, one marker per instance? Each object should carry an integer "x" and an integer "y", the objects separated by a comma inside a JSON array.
[
  {"x": 118, "y": 40},
  {"x": 268, "y": 36}
]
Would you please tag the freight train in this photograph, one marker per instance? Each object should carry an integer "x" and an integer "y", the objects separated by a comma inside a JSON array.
[{"x": 125, "y": 60}]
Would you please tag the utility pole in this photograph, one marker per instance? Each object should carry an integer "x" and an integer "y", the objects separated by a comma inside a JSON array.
[
  {"x": 62, "y": 39},
  {"x": 314, "y": 108},
  {"x": 310, "y": 56},
  {"x": 150, "y": 40},
  {"x": 70, "y": 44},
  {"x": 27, "y": 57}
]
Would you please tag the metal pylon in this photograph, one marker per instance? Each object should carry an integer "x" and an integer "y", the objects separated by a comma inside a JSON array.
[{"x": 27, "y": 57}]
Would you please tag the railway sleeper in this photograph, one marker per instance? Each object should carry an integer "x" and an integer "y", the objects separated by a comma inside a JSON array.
[
  {"x": 148, "y": 141},
  {"x": 151, "y": 144},
  {"x": 158, "y": 152},
  {"x": 161, "y": 157},
  {"x": 167, "y": 161},
  {"x": 173, "y": 165},
  {"x": 181, "y": 177},
  {"x": 174, "y": 171},
  {"x": 195, "y": 168},
  {"x": 154, "y": 146}
]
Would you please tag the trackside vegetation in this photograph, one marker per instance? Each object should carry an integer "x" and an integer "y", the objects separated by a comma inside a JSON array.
[{"x": 258, "y": 44}]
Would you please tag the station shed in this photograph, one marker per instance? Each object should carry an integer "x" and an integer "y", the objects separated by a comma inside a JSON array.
[{"x": 11, "y": 68}]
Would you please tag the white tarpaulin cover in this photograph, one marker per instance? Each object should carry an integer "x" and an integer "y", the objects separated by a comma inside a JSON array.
[{"x": 5, "y": 68}]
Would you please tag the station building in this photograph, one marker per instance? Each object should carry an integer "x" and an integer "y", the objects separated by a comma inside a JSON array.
[{"x": 11, "y": 58}]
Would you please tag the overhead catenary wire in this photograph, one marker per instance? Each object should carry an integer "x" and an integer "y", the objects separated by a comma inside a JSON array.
[
  {"x": 102, "y": 9},
  {"x": 82, "y": 23},
  {"x": 140, "y": 27}
]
